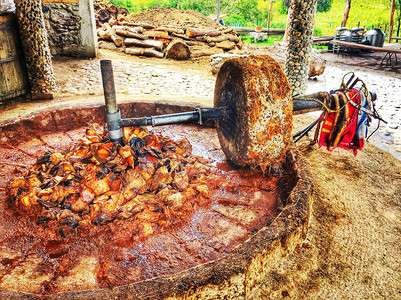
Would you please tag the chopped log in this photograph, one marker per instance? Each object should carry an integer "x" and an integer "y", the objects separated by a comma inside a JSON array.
[
  {"x": 170, "y": 30},
  {"x": 226, "y": 45},
  {"x": 144, "y": 52},
  {"x": 205, "y": 52},
  {"x": 107, "y": 33},
  {"x": 222, "y": 38},
  {"x": 103, "y": 15},
  {"x": 194, "y": 43},
  {"x": 112, "y": 9},
  {"x": 178, "y": 50},
  {"x": 158, "y": 34},
  {"x": 270, "y": 31},
  {"x": 144, "y": 43},
  {"x": 163, "y": 40},
  {"x": 131, "y": 29},
  {"x": 143, "y": 25},
  {"x": 112, "y": 21},
  {"x": 182, "y": 36},
  {"x": 122, "y": 11},
  {"x": 194, "y": 32},
  {"x": 126, "y": 31},
  {"x": 227, "y": 30},
  {"x": 120, "y": 18}
]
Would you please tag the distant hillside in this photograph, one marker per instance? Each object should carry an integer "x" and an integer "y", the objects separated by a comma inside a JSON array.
[{"x": 367, "y": 13}]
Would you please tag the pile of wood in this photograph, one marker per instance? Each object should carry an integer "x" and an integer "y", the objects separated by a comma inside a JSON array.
[
  {"x": 105, "y": 12},
  {"x": 144, "y": 39}
]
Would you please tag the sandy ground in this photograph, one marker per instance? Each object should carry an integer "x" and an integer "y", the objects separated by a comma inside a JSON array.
[{"x": 353, "y": 247}]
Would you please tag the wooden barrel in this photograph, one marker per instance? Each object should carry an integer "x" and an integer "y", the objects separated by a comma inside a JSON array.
[{"x": 13, "y": 78}]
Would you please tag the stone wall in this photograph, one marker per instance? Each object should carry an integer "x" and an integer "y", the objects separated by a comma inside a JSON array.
[{"x": 71, "y": 27}]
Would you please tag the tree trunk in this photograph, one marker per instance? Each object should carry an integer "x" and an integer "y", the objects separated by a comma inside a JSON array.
[
  {"x": 287, "y": 25},
  {"x": 144, "y": 43},
  {"x": 300, "y": 39},
  {"x": 390, "y": 30},
  {"x": 36, "y": 48},
  {"x": 270, "y": 13}
]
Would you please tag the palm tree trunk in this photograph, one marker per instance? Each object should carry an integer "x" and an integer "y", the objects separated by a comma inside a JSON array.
[
  {"x": 300, "y": 39},
  {"x": 36, "y": 48}
]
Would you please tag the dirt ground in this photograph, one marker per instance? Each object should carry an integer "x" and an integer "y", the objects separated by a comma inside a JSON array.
[{"x": 353, "y": 247}]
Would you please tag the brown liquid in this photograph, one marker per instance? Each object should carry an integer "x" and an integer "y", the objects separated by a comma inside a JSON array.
[{"x": 242, "y": 202}]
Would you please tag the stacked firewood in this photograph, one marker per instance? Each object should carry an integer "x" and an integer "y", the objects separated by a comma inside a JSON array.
[
  {"x": 143, "y": 39},
  {"x": 105, "y": 12}
]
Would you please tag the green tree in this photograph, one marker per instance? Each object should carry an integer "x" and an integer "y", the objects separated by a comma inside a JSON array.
[
  {"x": 322, "y": 5},
  {"x": 398, "y": 11}
]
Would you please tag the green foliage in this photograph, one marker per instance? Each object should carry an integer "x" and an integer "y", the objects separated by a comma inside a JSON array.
[
  {"x": 323, "y": 5},
  {"x": 270, "y": 41},
  {"x": 156, "y": 3},
  {"x": 398, "y": 9},
  {"x": 283, "y": 8},
  {"x": 255, "y": 12},
  {"x": 124, "y": 3}
]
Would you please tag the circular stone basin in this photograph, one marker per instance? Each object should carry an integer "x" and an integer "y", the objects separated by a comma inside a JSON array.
[{"x": 224, "y": 250}]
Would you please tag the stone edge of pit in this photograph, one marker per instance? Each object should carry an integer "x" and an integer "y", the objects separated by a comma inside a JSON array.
[{"x": 233, "y": 276}]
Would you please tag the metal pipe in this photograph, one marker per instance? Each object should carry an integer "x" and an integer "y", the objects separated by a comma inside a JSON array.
[
  {"x": 108, "y": 86},
  {"x": 112, "y": 112},
  {"x": 199, "y": 115}
]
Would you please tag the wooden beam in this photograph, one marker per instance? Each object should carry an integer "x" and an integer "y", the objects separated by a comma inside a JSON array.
[
  {"x": 270, "y": 13},
  {"x": 366, "y": 47},
  {"x": 346, "y": 13},
  {"x": 390, "y": 34}
]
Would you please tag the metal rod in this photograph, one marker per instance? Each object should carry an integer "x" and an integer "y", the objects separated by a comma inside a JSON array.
[
  {"x": 312, "y": 102},
  {"x": 303, "y": 132},
  {"x": 108, "y": 86},
  {"x": 199, "y": 115},
  {"x": 112, "y": 112}
]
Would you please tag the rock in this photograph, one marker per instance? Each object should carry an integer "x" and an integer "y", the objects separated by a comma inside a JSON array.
[
  {"x": 258, "y": 36},
  {"x": 177, "y": 49},
  {"x": 317, "y": 64},
  {"x": 217, "y": 60},
  {"x": 226, "y": 45}
]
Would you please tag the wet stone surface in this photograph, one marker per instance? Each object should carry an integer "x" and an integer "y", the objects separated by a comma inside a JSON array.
[{"x": 135, "y": 78}]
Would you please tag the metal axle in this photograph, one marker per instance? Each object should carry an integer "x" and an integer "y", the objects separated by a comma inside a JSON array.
[{"x": 115, "y": 124}]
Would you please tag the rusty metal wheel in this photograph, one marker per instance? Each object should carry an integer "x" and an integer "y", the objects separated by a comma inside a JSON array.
[{"x": 257, "y": 95}]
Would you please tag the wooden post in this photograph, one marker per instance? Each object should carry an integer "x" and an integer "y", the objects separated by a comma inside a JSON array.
[
  {"x": 268, "y": 20},
  {"x": 218, "y": 11},
  {"x": 287, "y": 28},
  {"x": 390, "y": 30},
  {"x": 346, "y": 13}
]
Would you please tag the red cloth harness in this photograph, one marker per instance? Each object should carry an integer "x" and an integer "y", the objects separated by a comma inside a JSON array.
[{"x": 349, "y": 139}]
